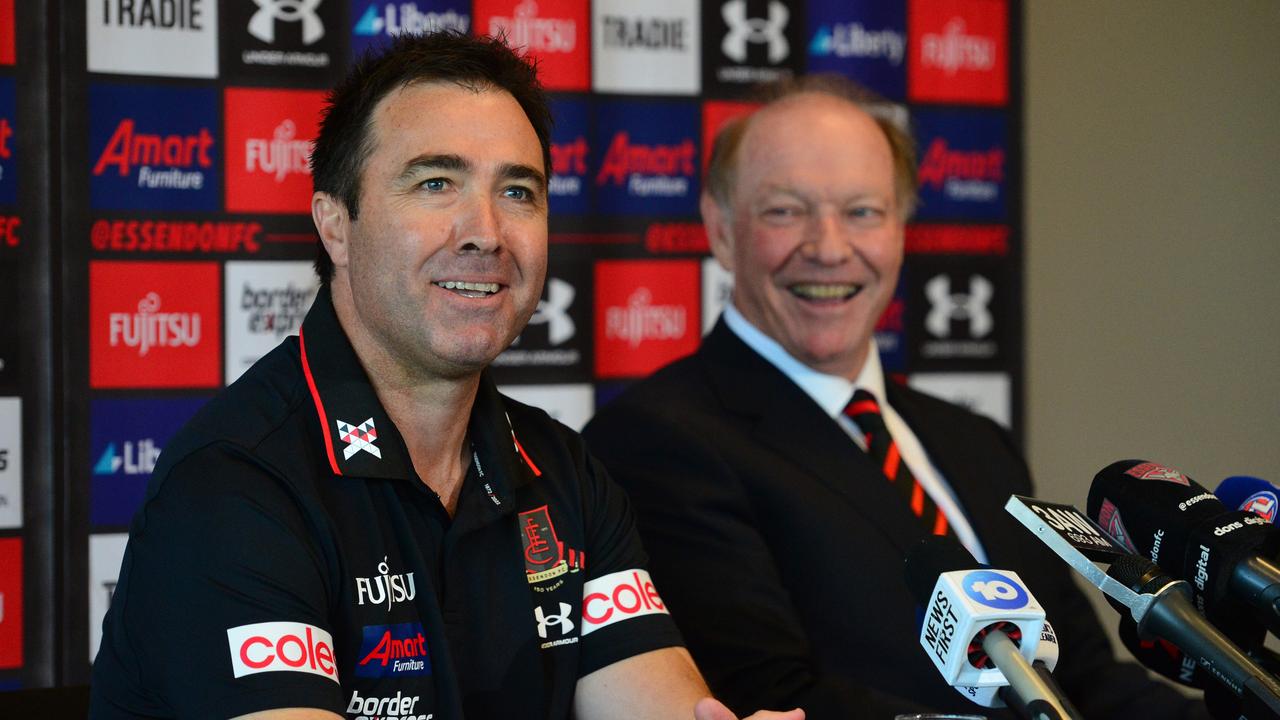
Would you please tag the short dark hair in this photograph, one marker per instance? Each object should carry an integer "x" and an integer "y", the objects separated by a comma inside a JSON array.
[{"x": 345, "y": 139}]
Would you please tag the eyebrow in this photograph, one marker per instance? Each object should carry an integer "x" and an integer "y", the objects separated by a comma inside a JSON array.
[{"x": 457, "y": 163}]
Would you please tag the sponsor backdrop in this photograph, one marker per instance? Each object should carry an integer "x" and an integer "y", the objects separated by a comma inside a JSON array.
[{"x": 184, "y": 129}]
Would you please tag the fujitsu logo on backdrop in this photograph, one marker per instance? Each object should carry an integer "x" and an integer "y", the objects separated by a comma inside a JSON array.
[
  {"x": 279, "y": 155},
  {"x": 954, "y": 49},
  {"x": 639, "y": 320},
  {"x": 148, "y": 327},
  {"x": 648, "y": 170},
  {"x": 180, "y": 154},
  {"x": 966, "y": 174},
  {"x": 526, "y": 30}
]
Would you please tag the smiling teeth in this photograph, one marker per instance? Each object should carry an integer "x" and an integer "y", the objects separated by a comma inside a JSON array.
[
  {"x": 825, "y": 292},
  {"x": 473, "y": 287}
]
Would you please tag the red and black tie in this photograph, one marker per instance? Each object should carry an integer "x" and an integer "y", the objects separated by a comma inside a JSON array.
[{"x": 865, "y": 411}]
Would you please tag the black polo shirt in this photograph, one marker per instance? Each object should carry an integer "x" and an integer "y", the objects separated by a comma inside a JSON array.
[{"x": 276, "y": 564}]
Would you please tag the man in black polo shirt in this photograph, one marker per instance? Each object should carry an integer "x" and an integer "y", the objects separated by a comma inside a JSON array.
[{"x": 362, "y": 525}]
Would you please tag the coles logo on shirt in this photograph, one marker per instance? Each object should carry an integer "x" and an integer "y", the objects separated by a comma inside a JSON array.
[
  {"x": 281, "y": 647},
  {"x": 380, "y": 20},
  {"x": 650, "y": 159},
  {"x": 10, "y": 603},
  {"x": 963, "y": 164},
  {"x": 270, "y": 134},
  {"x": 8, "y": 155},
  {"x": 554, "y": 32},
  {"x": 646, "y": 314},
  {"x": 393, "y": 651},
  {"x": 619, "y": 596},
  {"x": 153, "y": 148},
  {"x": 958, "y": 51},
  {"x": 154, "y": 324}
]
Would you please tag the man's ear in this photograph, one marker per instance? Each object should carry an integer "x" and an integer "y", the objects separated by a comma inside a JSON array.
[
  {"x": 719, "y": 233},
  {"x": 333, "y": 224}
]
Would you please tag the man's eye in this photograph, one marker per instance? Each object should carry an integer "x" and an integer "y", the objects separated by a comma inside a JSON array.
[
  {"x": 435, "y": 184},
  {"x": 864, "y": 211},
  {"x": 519, "y": 193},
  {"x": 783, "y": 211}
]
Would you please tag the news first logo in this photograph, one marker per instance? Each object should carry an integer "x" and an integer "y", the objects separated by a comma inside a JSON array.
[
  {"x": 393, "y": 651},
  {"x": 617, "y": 597},
  {"x": 270, "y": 134},
  {"x": 867, "y": 41},
  {"x": 646, "y": 315},
  {"x": 963, "y": 603},
  {"x": 958, "y": 52},
  {"x": 8, "y": 144},
  {"x": 282, "y": 647},
  {"x": 176, "y": 38},
  {"x": 153, "y": 148},
  {"x": 10, "y": 462},
  {"x": 554, "y": 32},
  {"x": 10, "y": 603},
  {"x": 650, "y": 159},
  {"x": 995, "y": 589},
  {"x": 265, "y": 303},
  {"x": 381, "y": 20}
]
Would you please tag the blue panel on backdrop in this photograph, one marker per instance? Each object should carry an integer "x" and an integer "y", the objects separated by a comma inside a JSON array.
[
  {"x": 648, "y": 159},
  {"x": 963, "y": 164},
  {"x": 572, "y": 157},
  {"x": 377, "y": 21},
  {"x": 863, "y": 39}
]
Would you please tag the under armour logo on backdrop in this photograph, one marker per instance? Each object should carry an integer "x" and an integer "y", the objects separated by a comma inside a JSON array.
[
  {"x": 358, "y": 438},
  {"x": 971, "y": 306},
  {"x": 263, "y": 23},
  {"x": 554, "y": 311},
  {"x": 743, "y": 30}
]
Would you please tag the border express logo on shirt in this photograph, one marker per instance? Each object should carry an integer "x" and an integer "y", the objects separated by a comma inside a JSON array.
[
  {"x": 393, "y": 651},
  {"x": 650, "y": 159},
  {"x": 863, "y": 39},
  {"x": 154, "y": 324},
  {"x": 651, "y": 47},
  {"x": 380, "y": 20},
  {"x": 176, "y": 38},
  {"x": 270, "y": 134},
  {"x": 571, "y": 160},
  {"x": 963, "y": 164},
  {"x": 153, "y": 148},
  {"x": 554, "y": 32},
  {"x": 646, "y": 314},
  {"x": 8, "y": 143},
  {"x": 958, "y": 51},
  {"x": 125, "y": 440}
]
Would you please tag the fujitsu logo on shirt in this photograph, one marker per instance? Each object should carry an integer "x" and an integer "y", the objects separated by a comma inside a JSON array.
[
  {"x": 180, "y": 154},
  {"x": 661, "y": 170},
  {"x": 148, "y": 327},
  {"x": 527, "y": 30},
  {"x": 385, "y": 587},
  {"x": 640, "y": 320},
  {"x": 954, "y": 50},
  {"x": 279, "y": 155}
]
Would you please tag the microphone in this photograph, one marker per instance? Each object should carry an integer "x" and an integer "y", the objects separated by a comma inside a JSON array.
[
  {"x": 1158, "y": 604},
  {"x": 985, "y": 632},
  {"x": 1255, "y": 495},
  {"x": 1159, "y": 512}
]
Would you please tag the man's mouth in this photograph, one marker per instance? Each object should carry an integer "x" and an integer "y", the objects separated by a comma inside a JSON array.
[
  {"x": 469, "y": 289},
  {"x": 824, "y": 291}
]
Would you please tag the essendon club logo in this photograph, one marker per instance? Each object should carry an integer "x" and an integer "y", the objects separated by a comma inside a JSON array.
[
  {"x": 554, "y": 32},
  {"x": 958, "y": 52},
  {"x": 154, "y": 324},
  {"x": 646, "y": 314},
  {"x": 270, "y": 134},
  {"x": 10, "y": 603},
  {"x": 650, "y": 159},
  {"x": 1109, "y": 519},
  {"x": 544, "y": 553},
  {"x": 1152, "y": 471},
  {"x": 153, "y": 148}
]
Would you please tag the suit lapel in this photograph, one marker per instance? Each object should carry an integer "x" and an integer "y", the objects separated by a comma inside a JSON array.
[{"x": 789, "y": 423}]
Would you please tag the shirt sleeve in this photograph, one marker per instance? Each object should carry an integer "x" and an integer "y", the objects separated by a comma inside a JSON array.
[{"x": 222, "y": 604}]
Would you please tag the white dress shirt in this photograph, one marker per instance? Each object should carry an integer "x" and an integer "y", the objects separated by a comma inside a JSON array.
[{"x": 832, "y": 393}]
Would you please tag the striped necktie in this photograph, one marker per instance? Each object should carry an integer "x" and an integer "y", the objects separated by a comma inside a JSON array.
[{"x": 864, "y": 410}]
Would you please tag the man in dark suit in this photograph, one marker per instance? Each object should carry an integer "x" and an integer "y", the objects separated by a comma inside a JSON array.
[{"x": 776, "y": 503}]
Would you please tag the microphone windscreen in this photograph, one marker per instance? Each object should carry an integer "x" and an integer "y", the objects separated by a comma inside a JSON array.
[{"x": 1255, "y": 495}]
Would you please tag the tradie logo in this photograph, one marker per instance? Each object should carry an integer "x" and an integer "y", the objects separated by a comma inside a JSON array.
[
  {"x": 358, "y": 438},
  {"x": 562, "y": 620},
  {"x": 150, "y": 328},
  {"x": 553, "y": 311},
  {"x": 971, "y": 306},
  {"x": 940, "y": 163},
  {"x": 851, "y": 40},
  {"x": 385, "y": 587},
  {"x": 648, "y": 33},
  {"x": 170, "y": 15},
  {"x": 953, "y": 50},
  {"x": 743, "y": 30},
  {"x": 280, "y": 155},
  {"x": 128, "y": 148},
  {"x": 134, "y": 458},
  {"x": 526, "y": 30},
  {"x": 263, "y": 23},
  {"x": 407, "y": 18},
  {"x": 639, "y": 320},
  {"x": 662, "y": 170}
]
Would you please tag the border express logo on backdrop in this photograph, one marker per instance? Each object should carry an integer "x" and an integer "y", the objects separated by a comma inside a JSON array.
[
  {"x": 270, "y": 134},
  {"x": 10, "y": 603},
  {"x": 265, "y": 302},
  {"x": 650, "y": 159},
  {"x": 8, "y": 143},
  {"x": 958, "y": 51},
  {"x": 125, "y": 440},
  {"x": 552, "y": 31},
  {"x": 652, "y": 47},
  {"x": 571, "y": 159},
  {"x": 10, "y": 462},
  {"x": 154, "y": 324},
  {"x": 381, "y": 20},
  {"x": 176, "y": 38},
  {"x": 963, "y": 164},
  {"x": 153, "y": 148},
  {"x": 863, "y": 39},
  {"x": 298, "y": 39},
  {"x": 646, "y": 315},
  {"x": 747, "y": 42}
]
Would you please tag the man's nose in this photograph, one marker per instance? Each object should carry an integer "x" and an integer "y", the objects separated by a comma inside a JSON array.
[
  {"x": 477, "y": 226},
  {"x": 827, "y": 242}
]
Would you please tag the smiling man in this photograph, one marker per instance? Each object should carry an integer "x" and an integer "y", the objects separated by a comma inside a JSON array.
[
  {"x": 778, "y": 479},
  {"x": 362, "y": 526}
]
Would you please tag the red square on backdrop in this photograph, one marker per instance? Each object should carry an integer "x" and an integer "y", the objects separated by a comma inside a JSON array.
[
  {"x": 269, "y": 138},
  {"x": 715, "y": 113},
  {"x": 646, "y": 315},
  {"x": 154, "y": 324},
  {"x": 7, "y": 54},
  {"x": 555, "y": 32},
  {"x": 10, "y": 603},
  {"x": 958, "y": 51}
]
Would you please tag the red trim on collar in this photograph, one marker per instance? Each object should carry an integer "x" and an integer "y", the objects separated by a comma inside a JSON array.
[
  {"x": 315, "y": 396},
  {"x": 523, "y": 454}
]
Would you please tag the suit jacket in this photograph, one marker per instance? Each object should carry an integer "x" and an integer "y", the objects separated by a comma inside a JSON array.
[{"x": 778, "y": 544}]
